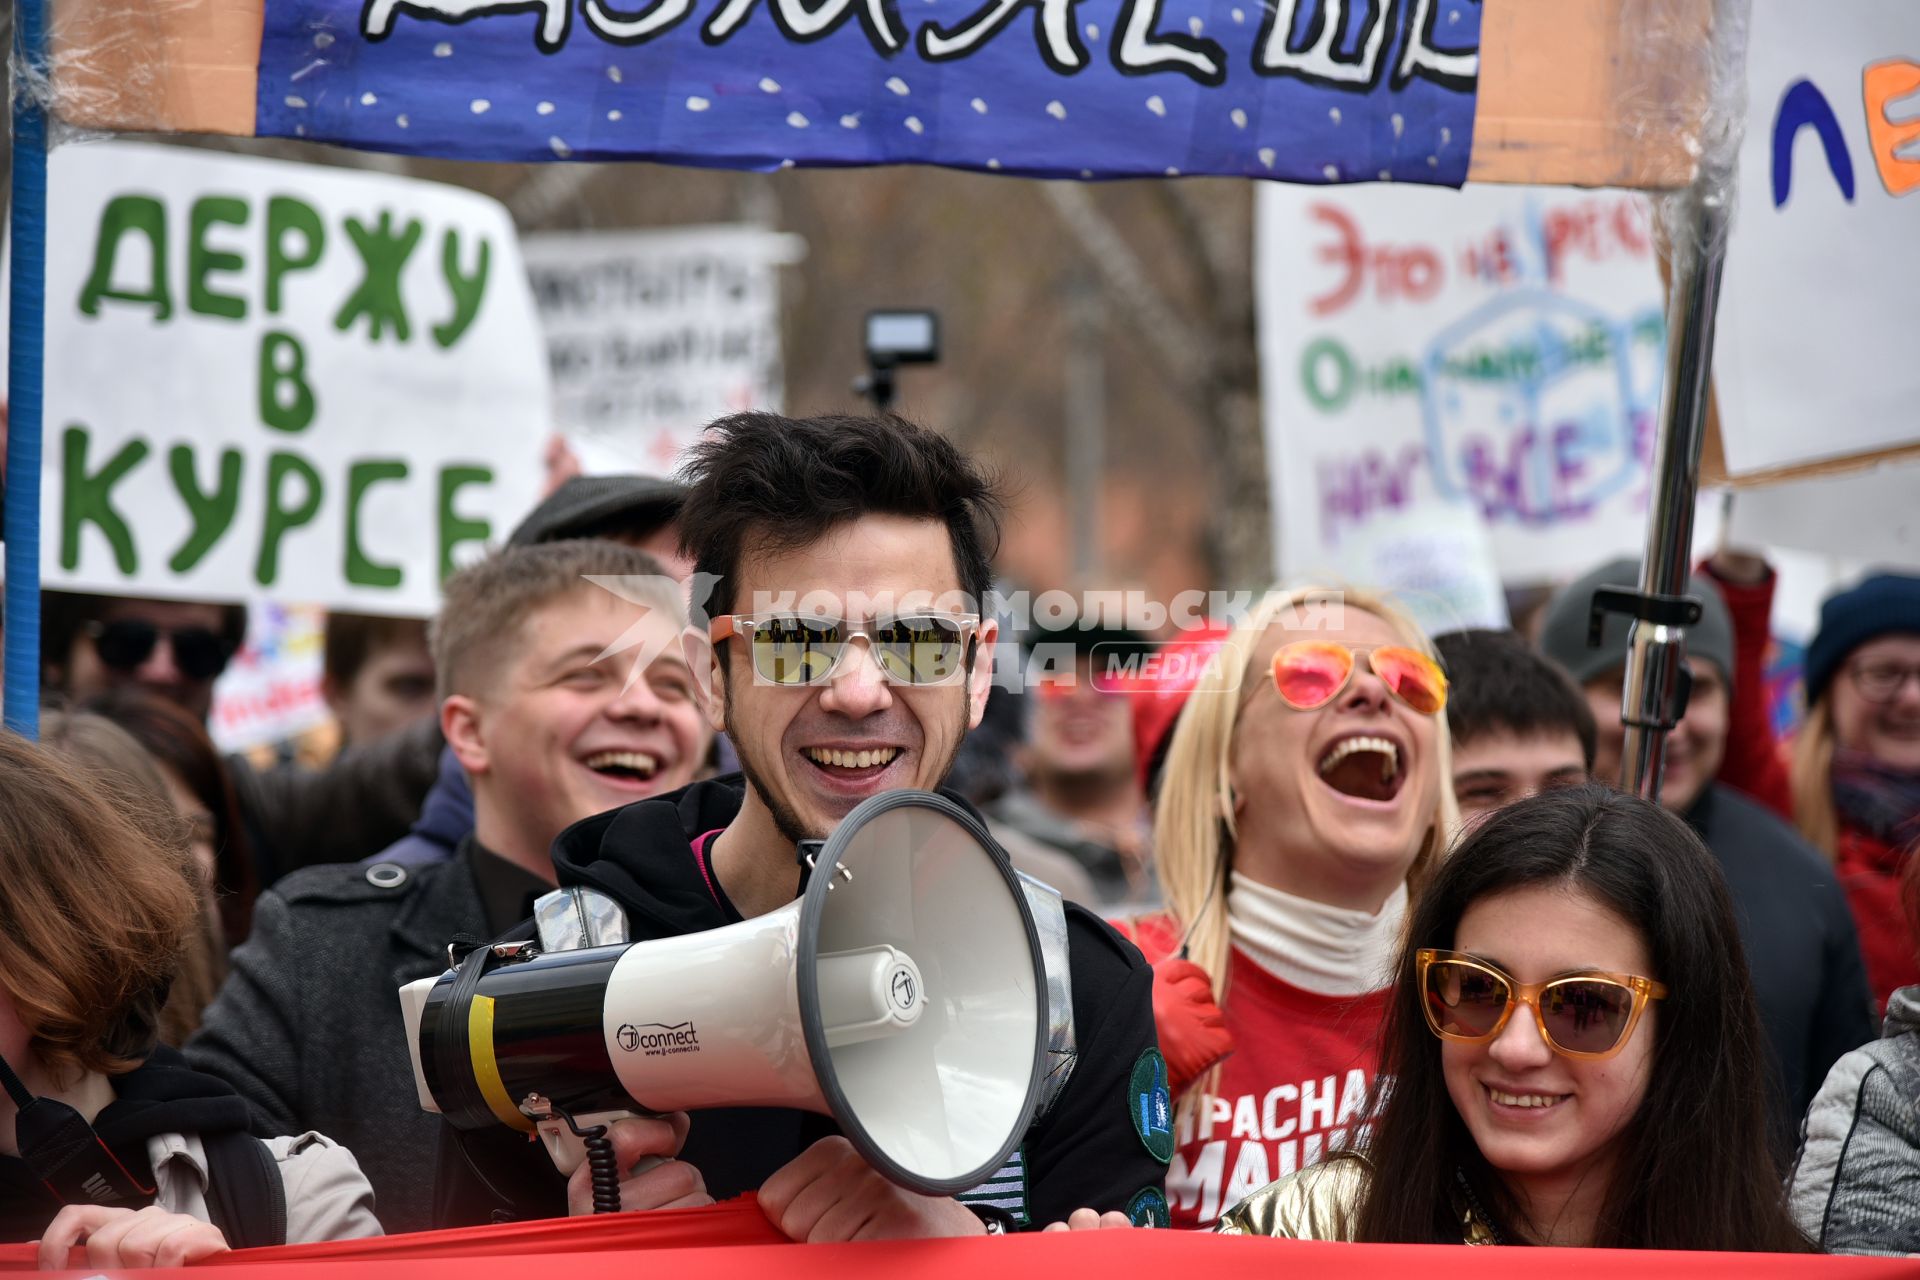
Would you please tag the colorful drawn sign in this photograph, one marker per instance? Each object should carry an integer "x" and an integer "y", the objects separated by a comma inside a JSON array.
[
  {"x": 652, "y": 334},
  {"x": 269, "y": 380},
  {"x": 270, "y": 692},
  {"x": 1306, "y": 90},
  {"x": 1493, "y": 352},
  {"x": 1814, "y": 358}
]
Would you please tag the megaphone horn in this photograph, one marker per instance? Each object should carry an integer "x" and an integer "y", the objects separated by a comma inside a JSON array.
[{"x": 904, "y": 994}]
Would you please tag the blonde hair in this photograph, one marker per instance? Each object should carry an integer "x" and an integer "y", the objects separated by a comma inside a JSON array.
[
  {"x": 1193, "y": 830},
  {"x": 1810, "y": 778},
  {"x": 484, "y": 606}
]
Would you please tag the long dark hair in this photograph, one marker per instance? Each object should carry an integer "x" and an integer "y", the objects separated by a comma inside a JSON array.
[{"x": 1695, "y": 1170}]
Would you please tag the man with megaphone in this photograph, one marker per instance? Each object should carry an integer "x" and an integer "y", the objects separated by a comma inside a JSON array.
[{"x": 875, "y": 1025}]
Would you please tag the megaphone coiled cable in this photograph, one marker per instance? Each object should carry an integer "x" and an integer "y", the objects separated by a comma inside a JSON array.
[{"x": 603, "y": 1166}]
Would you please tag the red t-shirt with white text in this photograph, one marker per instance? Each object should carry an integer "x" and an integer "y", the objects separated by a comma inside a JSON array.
[{"x": 1294, "y": 1090}]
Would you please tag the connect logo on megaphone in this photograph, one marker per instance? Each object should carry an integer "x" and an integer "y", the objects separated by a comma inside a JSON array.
[
  {"x": 903, "y": 990},
  {"x": 658, "y": 1039}
]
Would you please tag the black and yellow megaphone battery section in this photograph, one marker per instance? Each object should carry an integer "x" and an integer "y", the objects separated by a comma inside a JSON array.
[{"x": 486, "y": 1070}]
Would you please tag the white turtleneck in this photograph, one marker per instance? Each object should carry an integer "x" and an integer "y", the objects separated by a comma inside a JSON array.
[{"x": 1331, "y": 951}]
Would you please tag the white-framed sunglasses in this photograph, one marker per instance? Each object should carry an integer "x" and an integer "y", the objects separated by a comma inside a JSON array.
[{"x": 796, "y": 649}]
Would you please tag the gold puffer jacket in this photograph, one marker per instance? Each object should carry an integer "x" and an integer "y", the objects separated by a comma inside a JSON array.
[{"x": 1321, "y": 1202}]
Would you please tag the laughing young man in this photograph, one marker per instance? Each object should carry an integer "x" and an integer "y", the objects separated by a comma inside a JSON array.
[
  {"x": 1519, "y": 725},
  {"x": 548, "y": 731},
  {"x": 890, "y": 526}
]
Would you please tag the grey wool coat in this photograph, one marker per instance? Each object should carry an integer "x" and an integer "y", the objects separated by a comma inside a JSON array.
[{"x": 308, "y": 1029}]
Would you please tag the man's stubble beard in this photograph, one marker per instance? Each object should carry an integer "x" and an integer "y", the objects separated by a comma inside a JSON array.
[{"x": 785, "y": 820}]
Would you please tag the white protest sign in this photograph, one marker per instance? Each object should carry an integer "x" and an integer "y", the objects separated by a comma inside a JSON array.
[
  {"x": 1872, "y": 517},
  {"x": 653, "y": 334},
  {"x": 1490, "y": 352},
  {"x": 1815, "y": 356},
  {"x": 273, "y": 380},
  {"x": 1438, "y": 562}
]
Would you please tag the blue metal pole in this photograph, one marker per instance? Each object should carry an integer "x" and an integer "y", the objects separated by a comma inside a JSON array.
[{"x": 25, "y": 366}]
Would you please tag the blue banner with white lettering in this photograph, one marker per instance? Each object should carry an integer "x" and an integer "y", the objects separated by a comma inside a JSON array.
[{"x": 1302, "y": 90}]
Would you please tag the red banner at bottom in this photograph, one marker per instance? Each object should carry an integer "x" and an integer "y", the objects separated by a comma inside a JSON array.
[{"x": 734, "y": 1240}]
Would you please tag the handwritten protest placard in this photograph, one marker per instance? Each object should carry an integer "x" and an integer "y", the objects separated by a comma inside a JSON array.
[
  {"x": 270, "y": 693},
  {"x": 1489, "y": 351},
  {"x": 1815, "y": 354},
  {"x": 1306, "y": 90},
  {"x": 653, "y": 334},
  {"x": 280, "y": 381}
]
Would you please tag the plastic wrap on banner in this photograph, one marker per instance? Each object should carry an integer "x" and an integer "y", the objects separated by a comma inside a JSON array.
[
  {"x": 122, "y": 68},
  {"x": 1691, "y": 83}
]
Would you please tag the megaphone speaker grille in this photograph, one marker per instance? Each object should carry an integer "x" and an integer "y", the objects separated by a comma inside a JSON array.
[{"x": 940, "y": 1100}]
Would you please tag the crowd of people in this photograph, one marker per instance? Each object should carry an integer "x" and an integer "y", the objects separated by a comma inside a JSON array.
[{"x": 1363, "y": 909}]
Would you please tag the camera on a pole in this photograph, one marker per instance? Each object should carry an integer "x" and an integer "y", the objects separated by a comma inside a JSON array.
[{"x": 894, "y": 338}]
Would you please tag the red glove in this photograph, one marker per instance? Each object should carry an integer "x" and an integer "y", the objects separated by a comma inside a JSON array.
[{"x": 1193, "y": 1031}]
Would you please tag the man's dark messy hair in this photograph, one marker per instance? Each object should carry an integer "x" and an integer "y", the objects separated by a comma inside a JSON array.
[
  {"x": 763, "y": 483},
  {"x": 1500, "y": 683}
]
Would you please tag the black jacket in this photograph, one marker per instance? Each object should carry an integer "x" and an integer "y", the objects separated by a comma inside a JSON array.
[
  {"x": 308, "y": 1028},
  {"x": 365, "y": 799},
  {"x": 1800, "y": 945},
  {"x": 1085, "y": 1152},
  {"x": 161, "y": 1095}
]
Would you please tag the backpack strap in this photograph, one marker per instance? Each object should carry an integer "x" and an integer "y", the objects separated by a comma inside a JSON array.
[{"x": 246, "y": 1197}]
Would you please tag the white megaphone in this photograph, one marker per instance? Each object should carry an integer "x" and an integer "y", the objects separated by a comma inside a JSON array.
[{"x": 904, "y": 994}]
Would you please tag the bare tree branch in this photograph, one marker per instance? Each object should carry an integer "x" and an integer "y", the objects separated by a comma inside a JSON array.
[
  {"x": 548, "y": 189},
  {"x": 1178, "y": 351},
  {"x": 1209, "y": 356}
]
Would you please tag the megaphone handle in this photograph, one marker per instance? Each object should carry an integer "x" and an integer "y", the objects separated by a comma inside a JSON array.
[
  {"x": 569, "y": 1142},
  {"x": 566, "y": 1151}
]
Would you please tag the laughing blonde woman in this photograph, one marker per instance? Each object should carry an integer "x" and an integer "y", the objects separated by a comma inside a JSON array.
[{"x": 1304, "y": 794}]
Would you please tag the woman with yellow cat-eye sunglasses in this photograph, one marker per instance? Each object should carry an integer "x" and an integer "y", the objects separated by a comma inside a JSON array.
[
  {"x": 1574, "y": 1051},
  {"x": 1580, "y": 1015}
]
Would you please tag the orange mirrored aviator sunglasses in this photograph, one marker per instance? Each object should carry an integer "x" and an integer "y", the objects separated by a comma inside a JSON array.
[
  {"x": 1580, "y": 1015},
  {"x": 1311, "y": 673}
]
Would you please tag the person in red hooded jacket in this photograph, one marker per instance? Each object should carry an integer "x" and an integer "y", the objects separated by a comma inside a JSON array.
[{"x": 1851, "y": 778}]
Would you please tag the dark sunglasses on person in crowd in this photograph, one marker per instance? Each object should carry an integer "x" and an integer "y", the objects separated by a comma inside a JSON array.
[
  {"x": 127, "y": 643},
  {"x": 1580, "y": 1015},
  {"x": 802, "y": 649},
  {"x": 1311, "y": 673}
]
